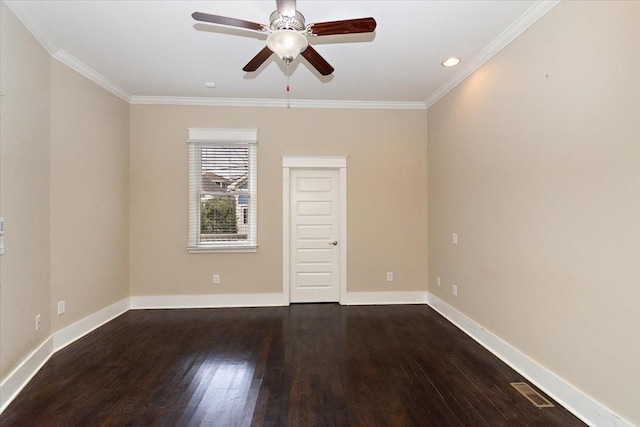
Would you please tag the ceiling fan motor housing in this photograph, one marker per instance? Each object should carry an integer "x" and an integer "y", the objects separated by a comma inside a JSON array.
[{"x": 278, "y": 21}]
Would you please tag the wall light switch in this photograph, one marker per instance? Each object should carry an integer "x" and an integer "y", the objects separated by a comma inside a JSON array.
[
  {"x": 454, "y": 238},
  {"x": 438, "y": 281},
  {"x": 61, "y": 307},
  {"x": 1, "y": 236}
]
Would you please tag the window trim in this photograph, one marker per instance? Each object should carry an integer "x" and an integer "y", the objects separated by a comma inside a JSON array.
[{"x": 213, "y": 136}]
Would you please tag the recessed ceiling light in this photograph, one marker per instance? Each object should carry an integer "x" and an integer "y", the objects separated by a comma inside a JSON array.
[
  {"x": 210, "y": 85},
  {"x": 450, "y": 62}
]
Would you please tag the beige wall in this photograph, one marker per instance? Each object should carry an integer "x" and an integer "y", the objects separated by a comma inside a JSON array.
[
  {"x": 89, "y": 196},
  {"x": 386, "y": 197},
  {"x": 535, "y": 162},
  {"x": 64, "y": 194},
  {"x": 24, "y": 191}
]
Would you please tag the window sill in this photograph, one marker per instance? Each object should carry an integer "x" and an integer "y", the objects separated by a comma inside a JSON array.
[{"x": 222, "y": 249}]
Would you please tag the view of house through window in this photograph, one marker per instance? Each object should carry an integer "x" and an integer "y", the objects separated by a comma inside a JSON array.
[
  {"x": 222, "y": 189},
  {"x": 224, "y": 196}
]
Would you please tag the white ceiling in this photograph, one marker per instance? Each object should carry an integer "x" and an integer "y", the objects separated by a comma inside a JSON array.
[{"x": 140, "y": 49}]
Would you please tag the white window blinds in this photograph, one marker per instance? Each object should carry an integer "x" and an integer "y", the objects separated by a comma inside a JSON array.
[{"x": 222, "y": 189}]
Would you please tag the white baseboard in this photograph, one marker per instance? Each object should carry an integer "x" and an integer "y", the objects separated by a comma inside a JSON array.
[
  {"x": 206, "y": 301},
  {"x": 267, "y": 300},
  {"x": 77, "y": 330},
  {"x": 582, "y": 406},
  {"x": 383, "y": 298},
  {"x": 21, "y": 375}
]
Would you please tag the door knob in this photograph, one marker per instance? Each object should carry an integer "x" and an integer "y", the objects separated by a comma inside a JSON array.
[{"x": 334, "y": 243}]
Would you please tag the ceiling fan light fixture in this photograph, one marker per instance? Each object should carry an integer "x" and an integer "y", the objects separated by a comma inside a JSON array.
[
  {"x": 287, "y": 44},
  {"x": 450, "y": 62}
]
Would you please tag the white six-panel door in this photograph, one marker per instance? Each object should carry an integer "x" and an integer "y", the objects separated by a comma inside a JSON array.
[{"x": 314, "y": 232}]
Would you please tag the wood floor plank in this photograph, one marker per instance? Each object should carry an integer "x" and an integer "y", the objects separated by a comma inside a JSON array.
[{"x": 303, "y": 365}]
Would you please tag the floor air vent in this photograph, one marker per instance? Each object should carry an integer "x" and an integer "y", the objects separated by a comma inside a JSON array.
[{"x": 534, "y": 397}]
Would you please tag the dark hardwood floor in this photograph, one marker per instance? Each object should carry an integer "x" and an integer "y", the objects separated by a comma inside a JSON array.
[{"x": 304, "y": 365}]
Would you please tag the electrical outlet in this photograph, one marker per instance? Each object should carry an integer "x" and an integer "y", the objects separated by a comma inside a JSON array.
[
  {"x": 216, "y": 279},
  {"x": 389, "y": 276},
  {"x": 454, "y": 290},
  {"x": 38, "y": 322},
  {"x": 438, "y": 281},
  {"x": 61, "y": 307},
  {"x": 454, "y": 238}
]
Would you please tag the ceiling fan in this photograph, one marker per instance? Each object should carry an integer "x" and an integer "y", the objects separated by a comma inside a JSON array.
[{"x": 288, "y": 34}]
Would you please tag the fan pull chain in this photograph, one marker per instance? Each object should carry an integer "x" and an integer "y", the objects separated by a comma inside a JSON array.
[
  {"x": 288, "y": 88},
  {"x": 288, "y": 77}
]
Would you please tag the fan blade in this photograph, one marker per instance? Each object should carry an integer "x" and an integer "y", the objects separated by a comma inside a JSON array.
[
  {"x": 347, "y": 26},
  {"x": 223, "y": 20},
  {"x": 318, "y": 62},
  {"x": 286, "y": 7},
  {"x": 257, "y": 60}
]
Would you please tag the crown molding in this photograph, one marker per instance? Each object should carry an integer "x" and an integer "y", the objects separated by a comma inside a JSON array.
[
  {"x": 22, "y": 11},
  {"x": 80, "y": 67},
  {"x": 277, "y": 103},
  {"x": 535, "y": 12}
]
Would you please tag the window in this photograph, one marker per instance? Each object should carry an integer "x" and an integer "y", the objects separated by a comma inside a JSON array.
[{"x": 222, "y": 190}]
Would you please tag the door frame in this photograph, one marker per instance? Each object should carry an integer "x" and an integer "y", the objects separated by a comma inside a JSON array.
[{"x": 313, "y": 162}]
